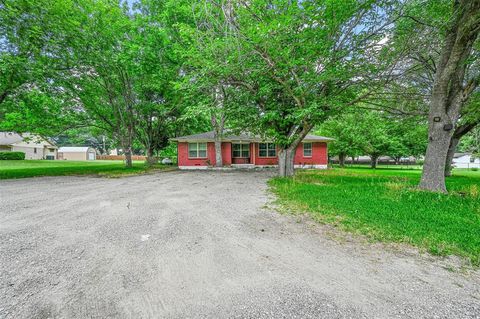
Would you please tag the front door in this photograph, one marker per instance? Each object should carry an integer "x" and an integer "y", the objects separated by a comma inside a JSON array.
[{"x": 240, "y": 153}]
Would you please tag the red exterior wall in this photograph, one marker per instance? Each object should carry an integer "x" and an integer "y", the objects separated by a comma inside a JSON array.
[
  {"x": 184, "y": 160},
  {"x": 319, "y": 155},
  {"x": 264, "y": 160},
  {"x": 226, "y": 153}
]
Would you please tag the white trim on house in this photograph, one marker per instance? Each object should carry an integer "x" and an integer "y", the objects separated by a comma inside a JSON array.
[
  {"x": 307, "y": 166},
  {"x": 267, "y": 150},
  {"x": 243, "y": 165},
  {"x": 311, "y": 149},
  {"x": 201, "y": 167},
  {"x": 198, "y": 150},
  {"x": 244, "y": 147}
]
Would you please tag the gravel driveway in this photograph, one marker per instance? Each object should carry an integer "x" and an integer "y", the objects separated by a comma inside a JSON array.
[{"x": 200, "y": 245}]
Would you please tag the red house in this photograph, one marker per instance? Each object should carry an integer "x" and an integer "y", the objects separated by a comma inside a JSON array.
[{"x": 198, "y": 151}]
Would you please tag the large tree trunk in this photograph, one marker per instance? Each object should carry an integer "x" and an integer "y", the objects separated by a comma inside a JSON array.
[
  {"x": 341, "y": 160},
  {"x": 433, "y": 176},
  {"x": 286, "y": 156},
  {"x": 126, "y": 142},
  {"x": 373, "y": 161},
  {"x": 286, "y": 162},
  {"x": 448, "y": 93},
  {"x": 128, "y": 157},
  {"x": 450, "y": 153},
  {"x": 151, "y": 158},
  {"x": 217, "y": 119},
  {"x": 3, "y": 96},
  {"x": 218, "y": 153}
]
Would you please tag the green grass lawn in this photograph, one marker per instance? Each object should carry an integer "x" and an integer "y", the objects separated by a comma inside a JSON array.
[
  {"x": 31, "y": 168},
  {"x": 385, "y": 205}
]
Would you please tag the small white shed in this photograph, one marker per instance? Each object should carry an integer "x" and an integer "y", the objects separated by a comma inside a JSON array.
[
  {"x": 77, "y": 153},
  {"x": 465, "y": 160}
]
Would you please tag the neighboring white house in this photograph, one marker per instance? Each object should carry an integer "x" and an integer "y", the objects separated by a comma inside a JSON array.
[
  {"x": 77, "y": 153},
  {"x": 465, "y": 160},
  {"x": 34, "y": 146}
]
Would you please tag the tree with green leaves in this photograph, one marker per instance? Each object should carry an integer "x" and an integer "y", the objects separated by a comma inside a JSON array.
[
  {"x": 300, "y": 63},
  {"x": 408, "y": 137},
  {"x": 120, "y": 71},
  {"x": 345, "y": 129},
  {"x": 450, "y": 90},
  {"x": 471, "y": 142},
  {"x": 155, "y": 71},
  {"x": 441, "y": 38},
  {"x": 375, "y": 133},
  {"x": 30, "y": 34}
]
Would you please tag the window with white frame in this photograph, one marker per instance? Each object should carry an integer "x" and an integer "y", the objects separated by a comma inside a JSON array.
[
  {"x": 307, "y": 149},
  {"x": 241, "y": 150},
  {"x": 267, "y": 150},
  {"x": 197, "y": 150}
]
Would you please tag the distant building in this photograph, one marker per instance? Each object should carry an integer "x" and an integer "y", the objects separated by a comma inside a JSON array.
[
  {"x": 465, "y": 160},
  {"x": 34, "y": 146},
  {"x": 77, "y": 153}
]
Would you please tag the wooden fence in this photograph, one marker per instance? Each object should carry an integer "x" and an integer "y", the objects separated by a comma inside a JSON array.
[{"x": 121, "y": 157}]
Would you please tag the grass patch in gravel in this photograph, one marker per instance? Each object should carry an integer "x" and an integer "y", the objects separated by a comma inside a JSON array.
[{"x": 385, "y": 205}]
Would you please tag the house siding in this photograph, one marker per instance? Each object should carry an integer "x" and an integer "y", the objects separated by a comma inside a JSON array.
[
  {"x": 184, "y": 160},
  {"x": 464, "y": 162},
  {"x": 264, "y": 161},
  {"x": 30, "y": 152},
  {"x": 73, "y": 156},
  {"x": 226, "y": 153},
  {"x": 77, "y": 156},
  {"x": 319, "y": 155}
]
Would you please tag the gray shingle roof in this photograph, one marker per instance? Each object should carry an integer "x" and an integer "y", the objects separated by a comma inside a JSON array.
[
  {"x": 245, "y": 137},
  {"x": 9, "y": 138},
  {"x": 73, "y": 149}
]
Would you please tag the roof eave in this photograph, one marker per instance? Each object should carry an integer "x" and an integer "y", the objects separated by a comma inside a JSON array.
[
  {"x": 318, "y": 141},
  {"x": 191, "y": 140}
]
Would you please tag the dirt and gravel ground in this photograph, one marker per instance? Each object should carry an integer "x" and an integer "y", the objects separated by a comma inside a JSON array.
[{"x": 200, "y": 245}]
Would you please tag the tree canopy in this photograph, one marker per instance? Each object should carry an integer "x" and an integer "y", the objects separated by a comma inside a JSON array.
[{"x": 374, "y": 74}]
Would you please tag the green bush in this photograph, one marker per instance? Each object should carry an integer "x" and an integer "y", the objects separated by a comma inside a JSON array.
[{"x": 12, "y": 155}]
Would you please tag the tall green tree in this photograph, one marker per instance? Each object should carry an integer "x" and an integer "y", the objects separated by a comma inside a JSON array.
[
  {"x": 407, "y": 135},
  {"x": 30, "y": 34},
  {"x": 442, "y": 37},
  {"x": 300, "y": 62},
  {"x": 345, "y": 129}
]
